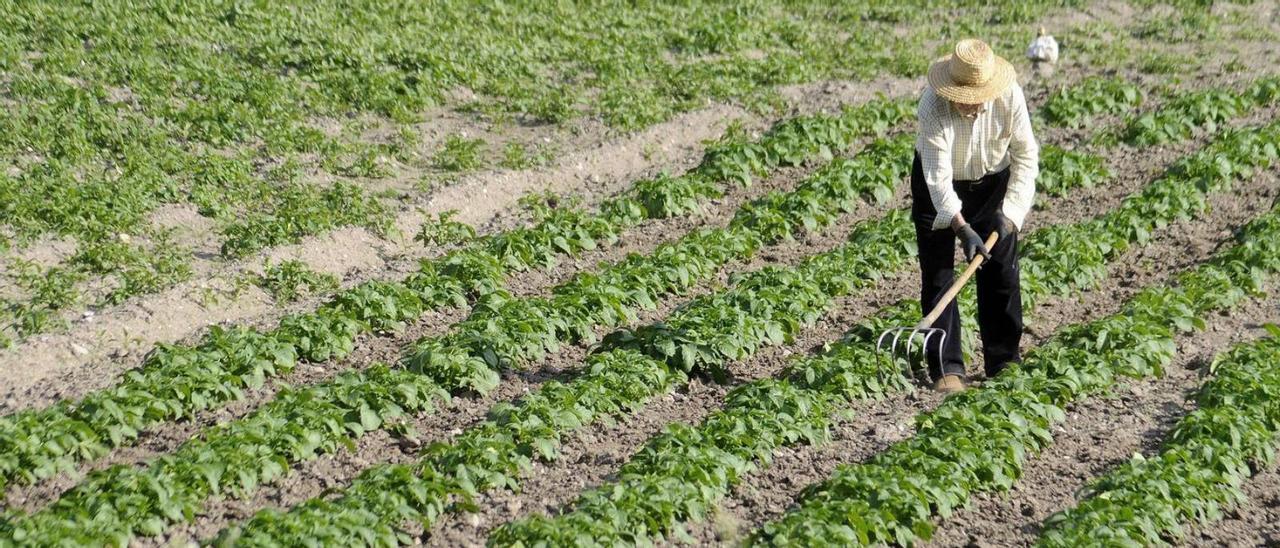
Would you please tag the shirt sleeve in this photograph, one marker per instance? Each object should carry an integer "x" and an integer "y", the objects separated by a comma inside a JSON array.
[
  {"x": 1024, "y": 165},
  {"x": 935, "y": 161}
]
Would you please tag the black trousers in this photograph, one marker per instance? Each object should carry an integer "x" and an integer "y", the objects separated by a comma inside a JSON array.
[{"x": 999, "y": 297}]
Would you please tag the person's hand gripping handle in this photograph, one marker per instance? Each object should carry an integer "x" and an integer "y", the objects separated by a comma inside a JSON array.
[
  {"x": 973, "y": 245},
  {"x": 976, "y": 257}
]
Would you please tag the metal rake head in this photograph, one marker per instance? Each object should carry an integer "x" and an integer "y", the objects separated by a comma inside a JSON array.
[{"x": 901, "y": 341}]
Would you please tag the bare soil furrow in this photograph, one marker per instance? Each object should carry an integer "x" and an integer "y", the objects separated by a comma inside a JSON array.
[
  {"x": 764, "y": 495},
  {"x": 91, "y": 354},
  {"x": 340, "y": 468},
  {"x": 388, "y": 348},
  {"x": 1254, "y": 523},
  {"x": 592, "y": 455},
  {"x": 1100, "y": 433}
]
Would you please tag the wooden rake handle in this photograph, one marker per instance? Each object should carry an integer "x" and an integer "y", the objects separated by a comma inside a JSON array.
[{"x": 955, "y": 287}]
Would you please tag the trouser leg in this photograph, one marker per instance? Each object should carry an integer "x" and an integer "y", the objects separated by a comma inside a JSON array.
[
  {"x": 937, "y": 271},
  {"x": 999, "y": 304},
  {"x": 937, "y": 264}
]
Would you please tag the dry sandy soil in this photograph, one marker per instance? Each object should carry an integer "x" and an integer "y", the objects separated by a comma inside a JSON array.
[{"x": 1098, "y": 434}]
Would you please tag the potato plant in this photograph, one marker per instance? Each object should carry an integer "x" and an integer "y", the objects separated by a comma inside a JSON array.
[
  {"x": 980, "y": 440},
  {"x": 683, "y": 472},
  {"x": 1201, "y": 465},
  {"x": 178, "y": 381}
]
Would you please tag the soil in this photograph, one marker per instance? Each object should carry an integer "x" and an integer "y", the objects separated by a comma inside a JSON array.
[
  {"x": 92, "y": 353},
  {"x": 766, "y": 494},
  {"x": 1099, "y": 433},
  {"x": 550, "y": 487},
  {"x": 560, "y": 366},
  {"x": 97, "y": 348},
  {"x": 390, "y": 347}
]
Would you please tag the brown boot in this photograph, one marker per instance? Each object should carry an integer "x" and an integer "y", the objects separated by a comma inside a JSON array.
[{"x": 949, "y": 384}]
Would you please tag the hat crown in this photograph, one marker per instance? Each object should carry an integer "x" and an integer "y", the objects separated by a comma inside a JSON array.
[{"x": 973, "y": 63}]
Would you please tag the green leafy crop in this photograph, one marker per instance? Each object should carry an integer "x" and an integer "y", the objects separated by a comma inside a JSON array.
[
  {"x": 1199, "y": 470},
  {"x": 443, "y": 230},
  {"x": 681, "y": 473},
  {"x": 1201, "y": 110},
  {"x": 500, "y": 332},
  {"x": 980, "y": 440},
  {"x": 1062, "y": 170},
  {"x": 1076, "y": 105},
  {"x": 458, "y": 153},
  {"x": 288, "y": 281}
]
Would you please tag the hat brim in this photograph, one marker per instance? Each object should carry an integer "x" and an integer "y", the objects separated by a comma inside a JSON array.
[{"x": 942, "y": 84}]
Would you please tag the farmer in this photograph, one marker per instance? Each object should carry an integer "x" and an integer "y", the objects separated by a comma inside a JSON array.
[{"x": 974, "y": 172}]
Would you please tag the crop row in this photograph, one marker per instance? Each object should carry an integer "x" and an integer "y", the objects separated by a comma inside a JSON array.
[
  {"x": 687, "y": 354},
  {"x": 766, "y": 307},
  {"x": 177, "y": 381},
  {"x": 1177, "y": 119},
  {"x": 681, "y": 473},
  {"x": 1203, "y": 462},
  {"x": 71, "y": 122},
  {"x": 501, "y": 332},
  {"x": 980, "y": 440},
  {"x": 234, "y": 118},
  {"x": 1064, "y": 170},
  {"x": 1077, "y": 105},
  {"x": 228, "y": 119},
  {"x": 673, "y": 344}
]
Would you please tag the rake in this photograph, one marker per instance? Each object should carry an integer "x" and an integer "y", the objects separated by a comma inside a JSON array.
[{"x": 902, "y": 339}]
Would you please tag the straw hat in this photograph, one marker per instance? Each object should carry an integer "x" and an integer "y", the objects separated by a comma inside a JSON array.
[{"x": 973, "y": 74}]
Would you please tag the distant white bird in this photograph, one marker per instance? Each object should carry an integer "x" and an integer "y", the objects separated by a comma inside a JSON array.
[{"x": 1044, "y": 49}]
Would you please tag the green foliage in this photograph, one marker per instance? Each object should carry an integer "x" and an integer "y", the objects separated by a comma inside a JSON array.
[
  {"x": 518, "y": 156},
  {"x": 306, "y": 212},
  {"x": 443, "y": 230},
  {"x": 288, "y": 281},
  {"x": 980, "y": 440},
  {"x": 1156, "y": 62},
  {"x": 501, "y": 331},
  {"x": 458, "y": 153},
  {"x": 680, "y": 474},
  {"x": 1063, "y": 170},
  {"x": 1186, "y": 25},
  {"x": 370, "y": 163},
  {"x": 1201, "y": 110},
  {"x": 1076, "y": 105},
  {"x": 53, "y": 287},
  {"x": 233, "y": 116},
  {"x": 1199, "y": 470},
  {"x": 969, "y": 443},
  {"x": 766, "y": 307}
]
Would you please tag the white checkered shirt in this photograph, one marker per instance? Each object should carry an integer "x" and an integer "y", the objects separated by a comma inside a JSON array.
[{"x": 953, "y": 147}]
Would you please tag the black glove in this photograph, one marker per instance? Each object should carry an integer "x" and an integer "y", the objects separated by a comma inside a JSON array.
[
  {"x": 971, "y": 242},
  {"x": 1004, "y": 227}
]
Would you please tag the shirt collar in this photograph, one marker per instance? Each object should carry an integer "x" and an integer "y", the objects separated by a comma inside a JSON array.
[{"x": 985, "y": 107}]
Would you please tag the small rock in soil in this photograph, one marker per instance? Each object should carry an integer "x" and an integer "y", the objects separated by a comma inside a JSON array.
[
  {"x": 975, "y": 542},
  {"x": 79, "y": 350}
]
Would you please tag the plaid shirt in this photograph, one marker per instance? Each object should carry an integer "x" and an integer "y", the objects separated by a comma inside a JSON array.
[{"x": 953, "y": 147}]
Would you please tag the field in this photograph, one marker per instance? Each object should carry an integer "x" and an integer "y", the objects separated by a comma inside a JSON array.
[{"x": 383, "y": 273}]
